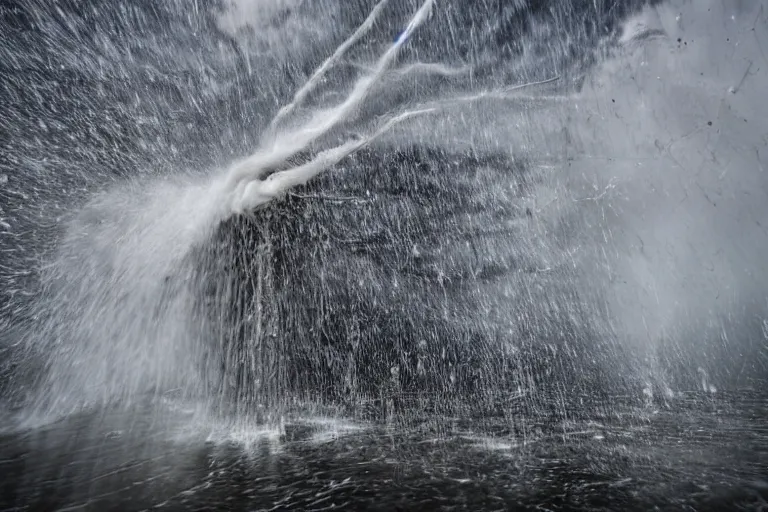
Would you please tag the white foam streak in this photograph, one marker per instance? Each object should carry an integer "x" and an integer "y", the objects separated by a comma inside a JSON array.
[
  {"x": 259, "y": 192},
  {"x": 290, "y": 143},
  {"x": 317, "y": 76},
  {"x": 432, "y": 68}
]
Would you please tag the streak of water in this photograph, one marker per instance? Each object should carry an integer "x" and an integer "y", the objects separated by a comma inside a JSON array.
[
  {"x": 317, "y": 76},
  {"x": 296, "y": 140}
]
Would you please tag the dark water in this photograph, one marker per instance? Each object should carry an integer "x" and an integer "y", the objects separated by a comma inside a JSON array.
[{"x": 697, "y": 451}]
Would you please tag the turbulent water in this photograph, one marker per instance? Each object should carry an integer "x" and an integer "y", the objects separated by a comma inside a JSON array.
[{"x": 475, "y": 244}]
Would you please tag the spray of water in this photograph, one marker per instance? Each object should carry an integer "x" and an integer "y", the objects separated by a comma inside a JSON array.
[{"x": 118, "y": 316}]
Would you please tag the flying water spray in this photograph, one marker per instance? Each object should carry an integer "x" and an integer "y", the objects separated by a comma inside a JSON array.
[
  {"x": 485, "y": 251},
  {"x": 120, "y": 317},
  {"x": 118, "y": 311},
  {"x": 288, "y": 144}
]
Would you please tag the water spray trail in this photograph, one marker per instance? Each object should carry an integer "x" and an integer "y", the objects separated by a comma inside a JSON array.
[
  {"x": 259, "y": 192},
  {"x": 504, "y": 94},
  {"x": 432, "y": 68},
  {"x": 288, "y": 144},
  {"x": 302, "y": 93}
]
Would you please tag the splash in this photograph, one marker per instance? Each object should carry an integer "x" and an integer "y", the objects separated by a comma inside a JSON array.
[
  {"x": 118, "y": 318},
  {"x": 121, "y": 318},
  {"x": 285, "y": 146}
]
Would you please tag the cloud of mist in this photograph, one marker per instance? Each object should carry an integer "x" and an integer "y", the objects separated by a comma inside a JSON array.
[
  {"x": 278, "y": 27},
  {"x": 670, "y": 142}
]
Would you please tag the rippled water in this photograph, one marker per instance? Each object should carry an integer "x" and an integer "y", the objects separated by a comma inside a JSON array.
[{"x": 697, "y": 452}]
